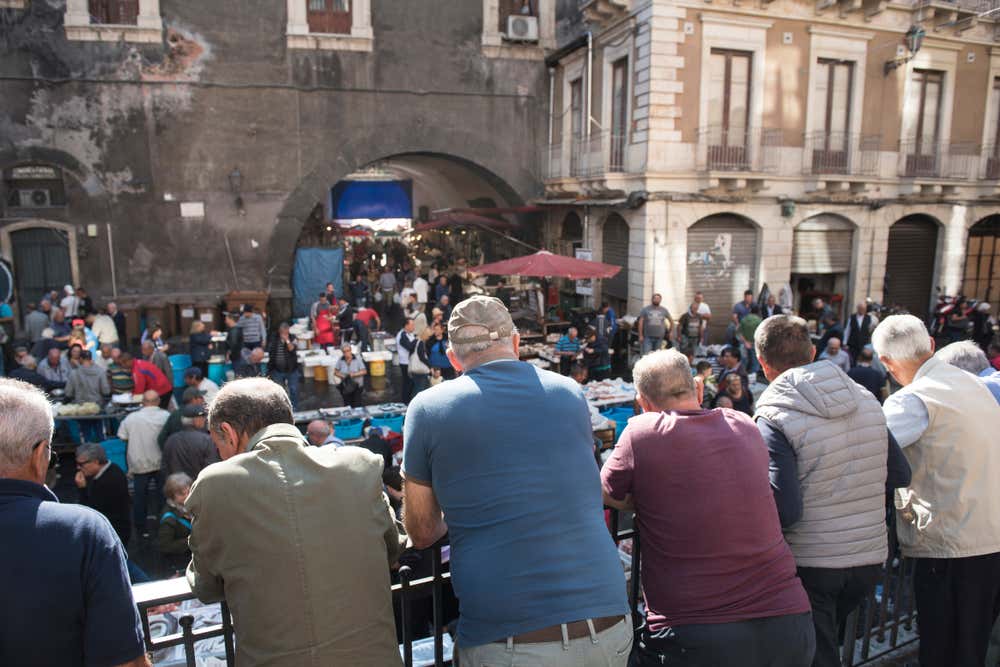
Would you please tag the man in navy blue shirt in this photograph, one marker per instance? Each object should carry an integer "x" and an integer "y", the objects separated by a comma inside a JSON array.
[
  {"x": 67, "y": 599},
  {"x": 505, "y": 452}
]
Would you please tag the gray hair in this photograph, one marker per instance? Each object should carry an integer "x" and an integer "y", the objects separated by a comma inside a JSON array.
[
  {"x": 249, "y": 405},
  {"x": 25, "y": 420},
  {"x": 901, "y": 337},
  {"x": 469, "y": 354},
  {"x": 663, "y": 375},
  {"x": 29, "y": 362},
  {"x": 92, "y": 451},
  {"x": 965, "y": 355},
  {"x": 176, "y": 482}
]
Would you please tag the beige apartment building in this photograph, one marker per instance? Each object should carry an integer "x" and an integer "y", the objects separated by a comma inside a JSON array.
[{"x": 841, "y": 148}]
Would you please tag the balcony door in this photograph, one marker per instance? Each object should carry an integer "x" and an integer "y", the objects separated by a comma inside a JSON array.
[
  {"x": 619, "y": 114},
  {"x": 834, "y": 86},
  {"x": 729, "y": 109},
  {"x": 329, "y": 16},
  {"x": 575, "y": 125},
  {"x": 922, "y": 118},
  {"x": 113, "y": 12},
  {"x": 993, "y": 134}
]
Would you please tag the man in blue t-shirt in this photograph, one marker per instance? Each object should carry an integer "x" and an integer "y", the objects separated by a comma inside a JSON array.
[
  {"x": 504, "y": 451},
  {"x": 67, "y": 600}
]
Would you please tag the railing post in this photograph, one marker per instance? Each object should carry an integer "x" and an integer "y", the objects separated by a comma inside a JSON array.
[
  {"x": 227, "y": 635},
  {"x": 405, "y": 573},
  {"x": 437, "y": 594},
  {"x": 186, "y": 623}
]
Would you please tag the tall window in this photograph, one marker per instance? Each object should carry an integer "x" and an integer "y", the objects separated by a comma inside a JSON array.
[
  {"x": 114, "y": 12},
  {"x": 729, "y": 108},
  {"x": 329, "y": 16},
  {"x": 993, "y": 134},
  {"x": 619, "y": 113},
  {"x": 511, "y": 7},
  {"x": 575, "y": 123},
  {"x": 922, "y": 120},
  {"x": 834, "y": 83}
]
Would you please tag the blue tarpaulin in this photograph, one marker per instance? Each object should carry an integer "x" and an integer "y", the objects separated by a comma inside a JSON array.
[
  {"x": 371, "y": 200},
  {"x": 314, "y": 268}
]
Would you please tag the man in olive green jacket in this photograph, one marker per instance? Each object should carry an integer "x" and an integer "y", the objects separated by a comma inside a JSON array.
[{"x": 297, "y": 539}]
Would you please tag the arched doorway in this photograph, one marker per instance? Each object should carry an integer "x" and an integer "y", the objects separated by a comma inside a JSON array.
[
  {"x": 615, "y": 251},
  {"x": 721, "y": 264},
  {"x": 982, "y": 261},
  {"x": 42, "y": 255},
  {"x": 909, "y": 264},
  {"x": 822, "y": 250},
  {"x": 572, "y": 229}
]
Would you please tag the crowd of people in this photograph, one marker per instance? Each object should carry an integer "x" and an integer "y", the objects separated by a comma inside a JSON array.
[{"x": 765, "y": 521}]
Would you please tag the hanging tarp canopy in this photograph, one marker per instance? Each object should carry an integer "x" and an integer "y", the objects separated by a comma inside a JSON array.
[
  {"x": 544, "y": 263},
  {"x": 462, "y": 219}
]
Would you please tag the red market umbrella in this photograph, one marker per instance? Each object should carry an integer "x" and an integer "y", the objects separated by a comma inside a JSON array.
[{"x": 544, "y": 263}]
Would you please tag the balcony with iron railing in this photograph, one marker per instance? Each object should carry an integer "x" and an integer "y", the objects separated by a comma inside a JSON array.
[
  {"x": 600, "y": 154},
  {"x": 749, "y": 150},
  {"x": 884, "y": 623},
  {"x": 923, "y": 159},
  {"x": 841, "y": 154}
]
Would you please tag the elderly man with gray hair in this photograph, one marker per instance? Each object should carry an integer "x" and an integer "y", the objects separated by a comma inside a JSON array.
[
  {"x": 832, "y": 462},
  {"x": 949, "y": 518},
  {"x": 970, "y": 358},
  {"x": 718, "y": 576},
  {"x": 67, "y": 596},
  {"x": 505, "y": 451},
  {"x": 297, "y": 539}
]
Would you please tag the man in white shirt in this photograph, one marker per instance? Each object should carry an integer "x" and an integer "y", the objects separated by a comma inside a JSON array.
[
  {"x": 140, "y": 430},
  {"x": 406, "y": 343},
  {"x": 103, "y": 327},
  {"x": 706, "y": 315},
  {"x": 208, "y": 389},
  {"x": 70, "y": 303},
  {"x": 947, "y": 518},
  {"x": 421, "y": 287}
]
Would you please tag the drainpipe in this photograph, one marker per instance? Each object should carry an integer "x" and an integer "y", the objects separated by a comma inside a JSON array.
[
  {"x": 111, "y": 260},
  {"x": 552, "y": 118},
  {"x": 590, "y": 83}
]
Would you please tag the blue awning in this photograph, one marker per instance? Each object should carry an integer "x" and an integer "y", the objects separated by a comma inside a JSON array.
[{"x": 371, "y": 200}]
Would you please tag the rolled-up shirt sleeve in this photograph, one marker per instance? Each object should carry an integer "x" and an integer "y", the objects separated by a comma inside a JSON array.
[
  {"x": 907, "y": 418},
  {"x": 616, "y": 475}
]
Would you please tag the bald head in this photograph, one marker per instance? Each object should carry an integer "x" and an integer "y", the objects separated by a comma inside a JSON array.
[
  {"x": 150, "y": 398},
  {"x": 663, "y": 381},
  {"x": 147, "y": 348},
  {"x": 317, "y": 432}
]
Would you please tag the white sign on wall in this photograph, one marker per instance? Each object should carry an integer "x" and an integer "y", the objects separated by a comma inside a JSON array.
[{"x": 585, "y": 287}]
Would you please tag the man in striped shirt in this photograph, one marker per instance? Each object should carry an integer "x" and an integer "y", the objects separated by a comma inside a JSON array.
[
  {"x": 567, "y": 349},
  {"x": 254, "y": 331}
]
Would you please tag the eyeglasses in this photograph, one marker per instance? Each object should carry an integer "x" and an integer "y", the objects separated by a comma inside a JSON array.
[
  {"x": 80, "y": 464},
  {"x": 53, "y": 457}
]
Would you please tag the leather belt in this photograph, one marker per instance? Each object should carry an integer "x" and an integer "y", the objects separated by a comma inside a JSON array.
[{"x": 574, "y": 630}]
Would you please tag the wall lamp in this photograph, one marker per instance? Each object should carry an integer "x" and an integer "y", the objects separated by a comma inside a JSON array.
[
  {"x": 236, "y": 187},
  {"x": 914, "y": 39}
]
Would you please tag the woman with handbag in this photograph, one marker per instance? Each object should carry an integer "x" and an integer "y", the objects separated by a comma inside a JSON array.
[
  {"x": 420, "y": 364},
  {"x": 351, "y": 372}
]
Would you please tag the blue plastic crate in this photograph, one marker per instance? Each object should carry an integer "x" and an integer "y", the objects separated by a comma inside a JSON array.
[
  {"x": 115, "y": 450},
  {"x": 393, "y": 422},
  {"x": 349, "y": 429},
  {"x": 620, "y": 416}
]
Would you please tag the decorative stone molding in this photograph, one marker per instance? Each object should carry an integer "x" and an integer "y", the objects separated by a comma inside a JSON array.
[
  {"x": 361, "y": 37},
  {"x": 148, "y": 27}
]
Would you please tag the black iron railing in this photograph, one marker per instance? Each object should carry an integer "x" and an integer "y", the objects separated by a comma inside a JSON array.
[{"x": 884, "y": 623}]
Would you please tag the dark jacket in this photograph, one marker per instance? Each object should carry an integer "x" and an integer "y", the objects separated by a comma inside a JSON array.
[
  {"x": 108, "y": 494},
  {"x": 172, "y": 538},
  {"x": 234, "y": 343},
  {"x": 119, "y": 318},
  {"x": 199, "y": 347},
  {"x": 32, "y": 377},
  {"x": 171, "y": 426},
  {"x": 859, "y": 337},
  {"x": 291, "y": 359},
  {"x": 189, "y": 451},
  {"x": 871, "y": 379}
]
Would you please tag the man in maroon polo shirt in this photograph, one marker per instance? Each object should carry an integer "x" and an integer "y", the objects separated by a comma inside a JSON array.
[{"x": 719, "y": 579}]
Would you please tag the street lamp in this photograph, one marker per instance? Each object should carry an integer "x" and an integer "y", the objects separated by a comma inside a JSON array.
[{"x": 914, "y": 39}]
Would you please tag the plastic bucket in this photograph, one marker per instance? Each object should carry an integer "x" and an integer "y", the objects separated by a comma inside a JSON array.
[
  {"x": 349, "y": 429},
  {"x": 115, "y": 449},
  {"x": 216, "y": 373},
  {"x": 376, "y": 368},
  {"x": 319, "y": 373},
  {"x": 393, "y": 423}
]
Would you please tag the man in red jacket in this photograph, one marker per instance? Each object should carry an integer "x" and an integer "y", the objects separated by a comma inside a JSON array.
[{"x": 147, "y": 377}]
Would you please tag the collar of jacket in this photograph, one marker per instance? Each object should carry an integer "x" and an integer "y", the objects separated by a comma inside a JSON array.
[{"x": 276, "y": 435}]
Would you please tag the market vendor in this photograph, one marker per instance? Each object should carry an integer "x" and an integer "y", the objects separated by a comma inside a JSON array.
[
  {"x": 596, "y": 355},
  {"x": 567, "y": 349}
]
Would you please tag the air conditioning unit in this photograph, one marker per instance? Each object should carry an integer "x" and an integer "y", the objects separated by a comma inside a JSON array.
[
  {"x": 34, "y": 198},
  {"x": 521, "y": 28}
]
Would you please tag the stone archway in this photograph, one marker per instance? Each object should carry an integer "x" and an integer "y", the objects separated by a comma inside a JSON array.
[{"x": 504, "y": 169}]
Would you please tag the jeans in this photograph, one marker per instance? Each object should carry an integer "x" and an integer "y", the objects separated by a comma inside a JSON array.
[
  {"x": 834, "y": 594},
  {"x": 140, "y": 484},
  {"x": 609, "y": 648},
  {"x": 290, "y": 381},
  {"x": 651, "y": 344},
  {"x": 420, "y": 382},
  {"x": 777, "y": 641},
  {"x": 407, "y": 389},
  {"x": 957, "y": 604}
]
